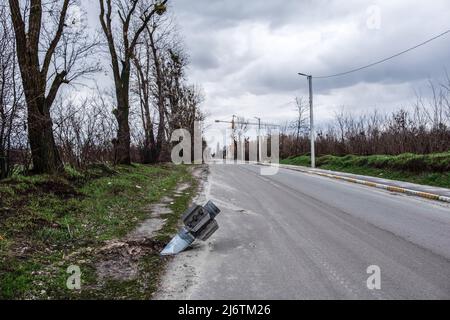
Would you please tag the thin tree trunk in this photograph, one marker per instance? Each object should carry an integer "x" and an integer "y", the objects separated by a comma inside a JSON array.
[
  {"x": 156, "y": 148},
  {"x": 143, "y": 82},
  {"x": 122, "y": 153}
]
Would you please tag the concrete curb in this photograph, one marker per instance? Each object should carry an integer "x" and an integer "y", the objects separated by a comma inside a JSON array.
[{"x": 416, "y": 193}]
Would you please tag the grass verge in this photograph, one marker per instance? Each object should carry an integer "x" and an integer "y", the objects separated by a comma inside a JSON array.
[
  {"x": 431, "y": 169},
  {"x": 48, "y": 223}
]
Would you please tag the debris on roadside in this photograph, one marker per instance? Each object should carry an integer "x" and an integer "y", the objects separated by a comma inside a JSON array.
[{"x": 199, "y": 223}]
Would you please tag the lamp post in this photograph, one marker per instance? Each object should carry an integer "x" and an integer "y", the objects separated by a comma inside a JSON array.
[{"x": 311, "y": 116}]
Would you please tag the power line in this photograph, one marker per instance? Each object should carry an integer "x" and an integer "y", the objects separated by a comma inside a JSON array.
[{"x": 383, "y": 60}]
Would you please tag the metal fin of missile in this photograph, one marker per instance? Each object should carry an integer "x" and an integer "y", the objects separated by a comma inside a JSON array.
[
  {"x": 208, "y": 230},
  {"x": 178, "y": 243}
]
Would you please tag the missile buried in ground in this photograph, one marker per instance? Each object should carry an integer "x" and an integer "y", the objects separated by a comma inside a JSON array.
[{"x": 199, "y": 223}]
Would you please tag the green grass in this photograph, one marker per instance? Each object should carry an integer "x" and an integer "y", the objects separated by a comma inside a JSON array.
[
  {"x": 431, "y": 169},
  {"x": 45, "y": 219}
]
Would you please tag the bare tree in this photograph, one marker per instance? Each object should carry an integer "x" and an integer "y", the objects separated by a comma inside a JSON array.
[
  {"x": 142, "y": 61},
  {"x": 10, "y": 93},
  {"x": 301, "y": 123},
  {"x": 177, "y": 102},
  {"x": 148, "y": 61},
  {"x": 84, "y": 129},
  {"x": 405, "y": 130},
  {"x": 446, "y": 96},
  {"x": 49, "y": 49},
  {"x": 133, "y": 22}
]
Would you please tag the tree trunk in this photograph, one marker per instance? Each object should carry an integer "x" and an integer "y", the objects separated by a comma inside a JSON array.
[
  {"x": 44, "y": 152},
  {"x": 148, "y": 152},
  {"x": 3, "y": 169},
  {"x": 122, "y": 144},
  {"x": 40, "y": 127},
  {"x": 151, "y": 153},
  {"x": 122, "y": 78},
  {"x": 156, "y": 150}
]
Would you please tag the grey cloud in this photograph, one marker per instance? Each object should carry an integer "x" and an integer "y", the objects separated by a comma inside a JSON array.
[
  {"x": 202, "y": 58},
  {"x": 367, "y": 46},
  {"x": 221, "y": 13},
  {"x": 246, "y": 52}
]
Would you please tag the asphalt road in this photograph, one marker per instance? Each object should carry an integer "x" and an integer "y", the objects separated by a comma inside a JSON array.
[{"x": 300, "y": 236}]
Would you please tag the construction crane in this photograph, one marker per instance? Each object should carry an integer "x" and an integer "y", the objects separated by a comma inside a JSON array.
[
  {"x": 259, "y": 124},
  {"x": 233, "y": 123}
]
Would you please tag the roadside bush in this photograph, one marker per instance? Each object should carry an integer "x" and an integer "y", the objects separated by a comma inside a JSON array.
[{"x": 439, "y": 162}]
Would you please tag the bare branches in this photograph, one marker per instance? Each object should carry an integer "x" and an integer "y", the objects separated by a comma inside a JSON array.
[
  {"x": 85, "y": 129},
  {"x": 10, "y": 97},
  {"x": 51, "y": 25},
  {"x": 421, "y": 129},
  {"x": 167, "y": 101},
  {"x": 105, "y": 21},
  {"x": 55, "y": 41},
  {"x": 54, "y": 49},
  {"x": 132, "y": 25},
  {"x": 146, "y": 17}
]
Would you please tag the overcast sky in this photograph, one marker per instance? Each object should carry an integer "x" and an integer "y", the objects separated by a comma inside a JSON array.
[{"x": 246, "y": 54}]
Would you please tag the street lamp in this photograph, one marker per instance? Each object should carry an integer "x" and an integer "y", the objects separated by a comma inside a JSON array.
[{"x": 311, "y": 115}]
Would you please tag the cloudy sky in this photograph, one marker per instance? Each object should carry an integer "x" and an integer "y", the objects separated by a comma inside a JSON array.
[{"x": 246, "y": 54}]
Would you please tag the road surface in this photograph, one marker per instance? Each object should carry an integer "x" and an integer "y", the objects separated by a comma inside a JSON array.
[{"x": 299, "y": 236}]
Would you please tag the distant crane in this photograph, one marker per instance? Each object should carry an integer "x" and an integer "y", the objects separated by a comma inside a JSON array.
[
  {"x": 259, "y": 124},
  {"x": 233, "y": 124}
]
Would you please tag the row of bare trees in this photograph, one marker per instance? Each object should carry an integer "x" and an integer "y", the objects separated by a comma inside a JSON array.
[
  {"x": 48, "y": 52},
  {"x": 423, "y": 128},
  {"x": 11, "y": 102}
]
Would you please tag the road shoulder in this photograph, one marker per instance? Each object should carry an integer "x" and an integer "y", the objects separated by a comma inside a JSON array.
[
  {"x": 422, "y": 191},
  {"x": 180, "y": 273}
]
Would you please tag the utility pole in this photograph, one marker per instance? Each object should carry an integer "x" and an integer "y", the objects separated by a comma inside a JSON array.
[
  {"x": 311, "y": 117},
  {"x": 259, "y": 139}
]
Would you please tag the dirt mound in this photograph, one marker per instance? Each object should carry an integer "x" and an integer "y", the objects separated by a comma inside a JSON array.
[{"x": 119, "y": 260}]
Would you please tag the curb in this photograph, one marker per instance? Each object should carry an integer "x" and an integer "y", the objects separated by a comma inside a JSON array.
[{"x": 421, "y": 194}]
